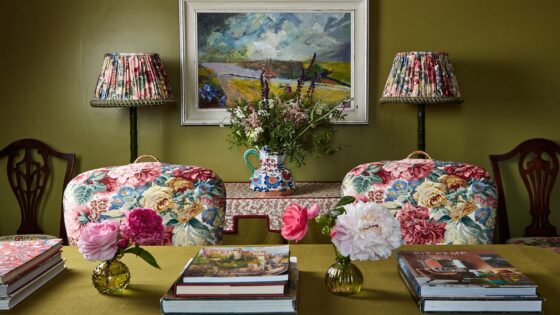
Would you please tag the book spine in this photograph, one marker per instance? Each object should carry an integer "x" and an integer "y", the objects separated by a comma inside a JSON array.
[{"x": 409, "y": 276}]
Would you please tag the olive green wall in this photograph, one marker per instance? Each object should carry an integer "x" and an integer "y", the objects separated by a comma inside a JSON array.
[{"x": 504, "y": 52}]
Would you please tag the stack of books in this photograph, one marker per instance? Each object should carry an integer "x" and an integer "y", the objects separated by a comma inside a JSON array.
[
  {"x": 25, "y": 266},
  {"x": 466, "y": 281},
  {"x": 230, "y": 280}
]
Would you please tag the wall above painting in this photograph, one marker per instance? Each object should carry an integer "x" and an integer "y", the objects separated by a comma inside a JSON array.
[{"x": 227, "y": 45}]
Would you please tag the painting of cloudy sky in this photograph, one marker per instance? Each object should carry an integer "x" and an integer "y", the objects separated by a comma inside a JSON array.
[{"x": 234, "y": 48}]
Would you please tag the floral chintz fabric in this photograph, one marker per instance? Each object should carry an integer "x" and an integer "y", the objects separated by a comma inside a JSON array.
[
  {"x": 436, "y": 202},
  {"x": 190, "y": 200}
]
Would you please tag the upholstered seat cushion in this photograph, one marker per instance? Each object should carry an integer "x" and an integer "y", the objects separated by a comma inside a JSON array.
[
  {"x": 436, "y": 202},
  {"x": 552, "y": 243},
  {"x": 190, "y": 200}
]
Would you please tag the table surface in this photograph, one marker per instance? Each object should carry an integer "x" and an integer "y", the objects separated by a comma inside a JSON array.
[
  {"x": 383, "y": 293},
  {"x": 241, "y": 201}
]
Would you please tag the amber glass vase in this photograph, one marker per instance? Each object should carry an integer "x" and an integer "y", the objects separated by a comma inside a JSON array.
[
  {"x": 343, "y": 277},
  {"x": 111, "y": 276}
]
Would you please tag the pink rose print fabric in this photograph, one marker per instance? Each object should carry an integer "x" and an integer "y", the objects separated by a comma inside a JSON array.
[
  {"x": 436, "y": 202},
  {"x": 189, "y": 201}
]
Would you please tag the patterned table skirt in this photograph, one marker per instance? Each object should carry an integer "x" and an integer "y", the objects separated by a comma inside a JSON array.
[{"x": 243, "y": 202}]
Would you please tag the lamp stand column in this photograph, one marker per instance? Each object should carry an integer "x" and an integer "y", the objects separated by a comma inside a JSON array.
[
  {"x": 421, "y": 127},
  {"x": 133, "y": 135}
]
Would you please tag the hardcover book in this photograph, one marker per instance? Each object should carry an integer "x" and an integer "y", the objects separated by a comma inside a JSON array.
[
  {"x": 492, "y": 303},
  {"x": 6, "y": 289},
  {"x": 17, "y": 257},
  {"x": 263, "y": 304},
  {"x": 239, "y": 265},
  {"x": 8, "y": 302},
  {"x": 229, "y": 289},
  {"x": 463, "y": 273}
]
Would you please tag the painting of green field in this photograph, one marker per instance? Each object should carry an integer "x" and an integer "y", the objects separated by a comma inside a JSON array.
[
  {"x": 234, "y": 49},
  {"x": 249, "y": 89}
]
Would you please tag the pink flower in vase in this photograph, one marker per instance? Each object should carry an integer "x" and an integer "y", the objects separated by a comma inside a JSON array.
[
  {"x": 294, "y": 221},
  {"x": 98, "y": 241},
  {"x": 143, "y": 226}
]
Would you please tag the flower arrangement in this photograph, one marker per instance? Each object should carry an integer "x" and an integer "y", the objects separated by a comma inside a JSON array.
[
  {"x": 110, "y": 239},
  {"x": 359, "y": 230},
  {"x": 293, "y": 122}
]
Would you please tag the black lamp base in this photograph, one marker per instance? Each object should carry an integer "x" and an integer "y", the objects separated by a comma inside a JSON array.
[
  {"x": 133, "y": 135},
  {"x": 421, "y": 127}
]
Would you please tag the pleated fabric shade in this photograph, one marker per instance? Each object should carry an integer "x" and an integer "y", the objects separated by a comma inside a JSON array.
[
  {"x": 420, "y": 77},
  {"x": 132, "y": 80}
]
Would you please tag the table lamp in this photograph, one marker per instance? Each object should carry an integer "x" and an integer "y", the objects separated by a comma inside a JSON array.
[
  {"x": 421, "y": 78},
  {"x": 132, "y": 80}
]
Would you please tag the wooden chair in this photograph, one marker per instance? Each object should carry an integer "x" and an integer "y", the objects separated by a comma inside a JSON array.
[
  {"x": 28, "y": 174},
  {"x": 538, "y": 168}
]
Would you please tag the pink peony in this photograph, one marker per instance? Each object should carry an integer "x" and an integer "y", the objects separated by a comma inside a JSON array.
[
  {"x": 366, "y": 231},
  {"x": 423, "y": 232},
  {"x": 416, "y": 226},
  {"x": 467, "y": 171},
  {"x": 143, "y": 226},
  {"x": 294, "y": 222},
  {"x": 194, "y": 173},
  {"x": 98, "y": 241},
  {"x": 410, "y": 169}
]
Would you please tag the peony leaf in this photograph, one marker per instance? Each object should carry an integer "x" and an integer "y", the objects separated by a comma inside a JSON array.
[
  {"x": 344, "y": 201},
  {"x": 144, "y": 254}
]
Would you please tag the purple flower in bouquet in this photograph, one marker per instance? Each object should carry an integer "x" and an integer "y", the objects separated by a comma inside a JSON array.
[{"x": 143, "y": 226}]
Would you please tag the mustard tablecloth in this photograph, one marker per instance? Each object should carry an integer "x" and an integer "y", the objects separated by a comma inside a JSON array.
[{"x": 383, "y": 293}]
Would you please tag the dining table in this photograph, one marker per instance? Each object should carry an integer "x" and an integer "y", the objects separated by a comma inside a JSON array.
[{"x": 383, "y": 290}]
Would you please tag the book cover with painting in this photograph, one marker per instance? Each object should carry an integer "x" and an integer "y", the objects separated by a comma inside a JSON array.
[
  {"x": 239, "y": 264},
  {"x": 475, "y": 273}
]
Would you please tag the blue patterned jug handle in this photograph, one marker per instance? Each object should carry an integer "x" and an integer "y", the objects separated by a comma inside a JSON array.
[{"x": 246, "y": 159}]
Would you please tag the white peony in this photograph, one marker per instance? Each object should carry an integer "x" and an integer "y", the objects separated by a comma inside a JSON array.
[{"x": 367, "y": 231}]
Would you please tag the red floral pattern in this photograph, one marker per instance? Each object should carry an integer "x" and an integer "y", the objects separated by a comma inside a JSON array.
[
  {"x": 418, "y": 228},
  {"x": 467, "y": 171},
  {"x": 437, "y": 202}
]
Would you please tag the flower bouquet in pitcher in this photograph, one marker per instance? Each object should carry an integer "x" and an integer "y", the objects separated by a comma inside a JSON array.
[{"x": 285, "y": 123}]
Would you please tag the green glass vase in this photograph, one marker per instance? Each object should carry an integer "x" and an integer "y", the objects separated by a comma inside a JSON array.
[
  {"x": 111, "y": 276},
  {"x": 343, "y": 277}
]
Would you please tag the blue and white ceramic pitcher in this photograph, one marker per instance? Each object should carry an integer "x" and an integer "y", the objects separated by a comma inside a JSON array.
[{"x": 272, "y": 177}]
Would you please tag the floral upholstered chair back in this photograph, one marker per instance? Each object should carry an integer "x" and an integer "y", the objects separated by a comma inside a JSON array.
[
  {"x": 436, "y": 202},
  {"x": 190, "y": 200}
]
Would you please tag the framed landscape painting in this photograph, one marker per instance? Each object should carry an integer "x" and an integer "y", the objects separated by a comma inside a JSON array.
[{"x": 228, "y": 47}]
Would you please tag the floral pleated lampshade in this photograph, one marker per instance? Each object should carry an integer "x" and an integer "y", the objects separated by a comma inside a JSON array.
[
  {"x": 132, "y": 80},
  {"x": 421, "y": 78}
]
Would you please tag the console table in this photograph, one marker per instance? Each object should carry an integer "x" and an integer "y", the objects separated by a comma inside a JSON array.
[
  {"x": 243, "y": 202},
  {"x": 383, "y": 292}
]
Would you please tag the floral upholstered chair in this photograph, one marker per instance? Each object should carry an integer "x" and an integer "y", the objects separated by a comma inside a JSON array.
[
  {"x": 436, "y": 202},
  {"x": 190, "y": 200}
]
